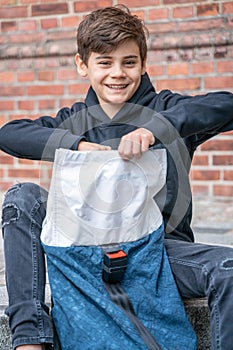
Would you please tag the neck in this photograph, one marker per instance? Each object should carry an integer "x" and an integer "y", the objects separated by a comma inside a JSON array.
[{"x": 111, "y": 109}]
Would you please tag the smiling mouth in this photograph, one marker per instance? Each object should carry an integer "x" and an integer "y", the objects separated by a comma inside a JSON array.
[{"x": 117, "y": 87}]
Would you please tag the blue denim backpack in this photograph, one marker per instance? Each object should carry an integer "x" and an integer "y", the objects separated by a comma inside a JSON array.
[{"x": 112, "y": 286}]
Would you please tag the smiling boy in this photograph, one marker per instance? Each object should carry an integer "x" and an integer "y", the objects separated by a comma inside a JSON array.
[{"x": 112, "y": 54}]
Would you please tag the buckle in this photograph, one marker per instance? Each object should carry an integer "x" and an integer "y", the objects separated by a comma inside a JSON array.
[{"x": 114, "y": 266}]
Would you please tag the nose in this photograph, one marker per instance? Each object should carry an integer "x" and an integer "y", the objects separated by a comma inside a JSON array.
[{"x": 117, "y": 71}]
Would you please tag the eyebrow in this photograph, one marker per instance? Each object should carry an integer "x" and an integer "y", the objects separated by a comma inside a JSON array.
[{"x": 107, "y": 56}]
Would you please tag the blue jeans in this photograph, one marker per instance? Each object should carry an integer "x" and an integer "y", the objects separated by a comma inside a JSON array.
[{"x": 199, "y": 270}]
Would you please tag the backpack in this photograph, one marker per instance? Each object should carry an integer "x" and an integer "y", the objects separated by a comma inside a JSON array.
[{"x": 103, "y": 234}]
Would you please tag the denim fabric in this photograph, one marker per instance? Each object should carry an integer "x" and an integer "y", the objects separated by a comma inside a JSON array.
[
  {"x": 204, "y": 270},
  {"x": 85, "y": 315},
  {"x": 199, "y": 270},
  {"x": 23, "y": 212}
]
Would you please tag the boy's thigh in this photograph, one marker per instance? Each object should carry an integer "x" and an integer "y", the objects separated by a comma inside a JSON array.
[{"x": 195, "y": 266}]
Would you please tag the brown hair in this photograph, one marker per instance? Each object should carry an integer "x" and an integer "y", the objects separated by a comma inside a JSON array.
[{"x": 103, "y": 30}]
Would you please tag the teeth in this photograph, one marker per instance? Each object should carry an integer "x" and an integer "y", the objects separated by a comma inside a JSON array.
[{"x": 117, "y": 87}]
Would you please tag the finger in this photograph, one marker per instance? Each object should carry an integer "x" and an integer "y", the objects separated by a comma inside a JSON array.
[
  {"x": 137, "y": 147},
  {"x": 125, "y": 149},
  {"x": 145, "y": 143},
  {"x": 105, "y": 148}
]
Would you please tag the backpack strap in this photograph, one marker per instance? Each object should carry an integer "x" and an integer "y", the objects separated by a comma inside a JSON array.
[{"x": 113, "y": 272}]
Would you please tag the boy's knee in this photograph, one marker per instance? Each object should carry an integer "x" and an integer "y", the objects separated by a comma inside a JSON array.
[
  {"x": 19, "y": 197},
  {"x": 20, "y": 188},
  {"x": 22, "y": 191}
]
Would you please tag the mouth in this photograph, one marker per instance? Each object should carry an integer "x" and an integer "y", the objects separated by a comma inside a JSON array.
[{"x": 117, "y": 86}]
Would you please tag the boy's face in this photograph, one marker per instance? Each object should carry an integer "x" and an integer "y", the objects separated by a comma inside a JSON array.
[{"x": 114, "y": 76}]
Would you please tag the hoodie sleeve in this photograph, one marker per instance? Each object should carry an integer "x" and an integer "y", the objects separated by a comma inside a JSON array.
[
  {"x": 184, "y": 116},
  {"x": 38, "y": 139}
]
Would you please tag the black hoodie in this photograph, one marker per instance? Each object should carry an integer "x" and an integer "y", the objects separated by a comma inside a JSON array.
[{"x": 179, "y": 124}]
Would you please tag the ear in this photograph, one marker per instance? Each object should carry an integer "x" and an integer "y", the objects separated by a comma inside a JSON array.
[{"x": 81, "y": 66}]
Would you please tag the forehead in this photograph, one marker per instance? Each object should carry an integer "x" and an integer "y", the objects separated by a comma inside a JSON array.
[{"x": 128, "y": 48}]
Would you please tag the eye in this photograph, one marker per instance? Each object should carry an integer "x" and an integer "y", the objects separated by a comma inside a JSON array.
[
  {"x": 104, "y": 63},
  {"x": 130, "y": 63}
]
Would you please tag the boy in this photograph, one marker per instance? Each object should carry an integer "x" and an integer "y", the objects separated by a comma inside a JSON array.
[{"x": 112, "y": 54}]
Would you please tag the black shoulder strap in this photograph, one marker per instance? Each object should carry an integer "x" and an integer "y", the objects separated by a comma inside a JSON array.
[{"x": 121, "y": 299}]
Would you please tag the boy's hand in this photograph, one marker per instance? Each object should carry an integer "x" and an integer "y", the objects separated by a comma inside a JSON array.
[
  {"x": 91, "y": 146},
  {"x": 135, "y": 143}
]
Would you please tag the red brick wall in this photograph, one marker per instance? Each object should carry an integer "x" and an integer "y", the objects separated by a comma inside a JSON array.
[{"x": 190, "y": 51}]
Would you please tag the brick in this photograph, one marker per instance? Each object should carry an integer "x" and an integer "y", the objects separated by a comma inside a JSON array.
[
  {"x": 171, "y": 56},
  {"x": 28, "y": 25},
  {"x": 49, "y": 9},
  {"x": 9, "y": 26},
  {"x": 65, "y": 74},
  {"x": 12, "y": 91},
  {"x": 205, "y": 175},
  {"x": 167, "y": 2},
  {"x": 6, "y": 77},
  {"x": 155, "y": 70},
  {"x": 4, "y": 159},
  {"x": 223, "y": 159},
  {"x": 217, "y": 145},
  {"x": 139, "y": 14},
  {"x": 29, "y": 2},
  {"x": 26, "y": 76},
  {"x": 228, "y": 175},
  {"x": 28, "y": 162},
  {"x": 208, "y": 10},
  {"x": 45, "y": 90},
  {"x": 27, "y": 38},
  {"x": 62, "y": 35},
  {"x": 220, "y": 52},
  {"x": 138, "y": 3},
  {"x": 70, "y": 21},
  {"x": 2, "y": 120},
  {"x": 46, "y": 75},
  {"x": 67, "y": 102},
  {"x": 218, "y": 82},
  {"x": 183, "y": 12},
  {"x": 157, "y": 14},
  {"x": 7, "y": 105},
  {"x": 49, "y": 23},
  {"x": 203, "y": 53},
  {"x": 200, "y": 159},
  {"x": 78, "y": 88},
  {"x": 177, "y": 69},
  {"x": 229, "y": 23},
  {"x": 179, "y": 84},
  {"x": 23, "y": 173},
  {"x": 227, "y": 7},
  {"x": 186, "y": 55},
  {"x": 7, "y": 2},
  {"x": 171, "y": 41},
  {"x": 26, "y": 105},
  {"x": 213, "y": 23},
  {"x": 46, "y": 104},
  {"x": 13, "y": 12},
  {"x": 202, "y": 67},
  {"x": 200, "y": 190},
  {"x": 223, "y": 190},
  {"x": 225, "y": 66},
  {"x": 160, "y": 27},
  {"x": 85, "y": 6}
]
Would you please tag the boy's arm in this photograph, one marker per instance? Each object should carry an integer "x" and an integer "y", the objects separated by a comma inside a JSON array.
[
  {"x": 38, "y": 139},
  {"x": 206, "y": 115}
]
